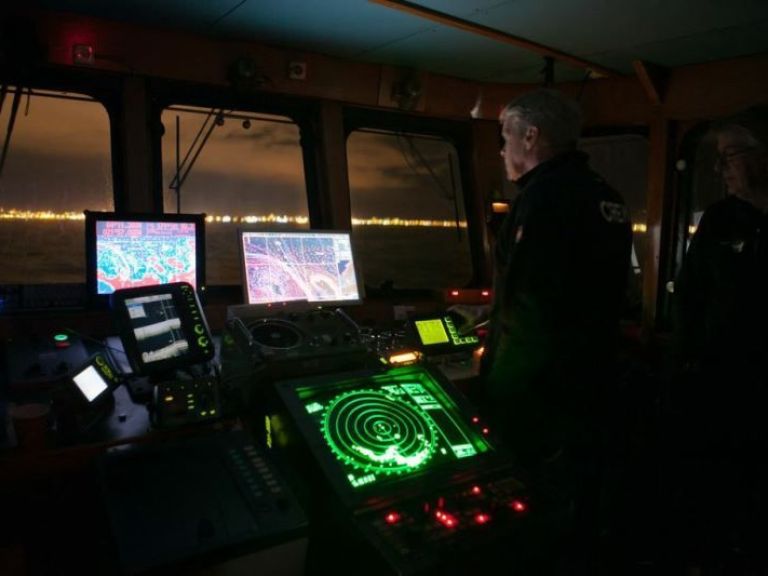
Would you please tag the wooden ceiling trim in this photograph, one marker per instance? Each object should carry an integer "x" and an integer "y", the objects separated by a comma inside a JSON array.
[{"x": 596, "y": 70}]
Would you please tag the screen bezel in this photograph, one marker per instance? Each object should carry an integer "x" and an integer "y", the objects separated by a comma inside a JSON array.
[
  {"x": 93, "y": 218},
  {"x": 301, "y": 232},
  {"x": 189, "y": 318}
]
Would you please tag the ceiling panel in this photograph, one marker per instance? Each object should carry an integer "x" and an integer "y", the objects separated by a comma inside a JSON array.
[{"x": 609, "y": 32}]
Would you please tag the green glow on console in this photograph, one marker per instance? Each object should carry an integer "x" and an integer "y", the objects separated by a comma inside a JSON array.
[
  {"x": 388, "y": 426},
  {"x": 314, "y": 407}
]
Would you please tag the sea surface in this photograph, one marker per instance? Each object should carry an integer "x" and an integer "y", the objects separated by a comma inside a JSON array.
[{"x": 53, "y": 251}]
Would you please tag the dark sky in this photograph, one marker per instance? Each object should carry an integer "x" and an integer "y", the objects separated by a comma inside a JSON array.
[{"x": 59, "y": 160}]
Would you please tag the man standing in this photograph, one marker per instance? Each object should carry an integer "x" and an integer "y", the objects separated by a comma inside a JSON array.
[
  {"x": 720, "y": 391},
  {"x": 562, "y": 259}
]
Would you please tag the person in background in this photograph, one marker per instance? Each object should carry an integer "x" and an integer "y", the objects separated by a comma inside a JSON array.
[
  {"x": 720, "y": 387},
  {"x": 561, "y": 264}
]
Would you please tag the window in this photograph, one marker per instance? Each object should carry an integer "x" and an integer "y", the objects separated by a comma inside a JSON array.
[
  {"x": 408, "y": 215},
  {"x": 240, "y": 169},
  {"x": 57, "y": 164},
  {"x": 623, "y": 161}
]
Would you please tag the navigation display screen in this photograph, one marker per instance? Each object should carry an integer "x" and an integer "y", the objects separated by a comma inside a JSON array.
[
  {"x": 135, "y": 253},
  {"x": 431, "y": 332},
  {"x": 383, "y": 428},
  {"x": 91, "y": 383},
  {"x": 162, "y": 328},
  {"x": 157, "y": 327},
  {"x": 314, "y": 266}
]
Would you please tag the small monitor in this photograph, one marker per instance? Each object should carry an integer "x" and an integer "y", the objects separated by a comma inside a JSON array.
[
  {"x": 95, "y": 379},
  {"x": 440, "y": 335},
  {"x": 131, "y": 250},
  {"x": 90, "y": 383},
  {"x": 314, "y": 266},
  {"x": 162, "y": 327}
]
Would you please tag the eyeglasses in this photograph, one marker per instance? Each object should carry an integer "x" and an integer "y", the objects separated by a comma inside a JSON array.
[{"x": 724, "y": 158}]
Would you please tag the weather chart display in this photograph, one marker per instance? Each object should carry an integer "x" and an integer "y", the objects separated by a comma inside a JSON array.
[
  {"x": 285, "y": 266},
  {"x": 132, "y": 253},
  {"x": 388, "y": 426}
]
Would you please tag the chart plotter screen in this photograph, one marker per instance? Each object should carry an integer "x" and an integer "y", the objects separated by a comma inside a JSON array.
[
  {"x": 316, "y": 266},
  {"x": 383, "y": 428},
  {"x": 126, "y": 251}
]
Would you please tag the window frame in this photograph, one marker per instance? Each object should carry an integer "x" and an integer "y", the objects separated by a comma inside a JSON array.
[{"x": 459, "y": 135}]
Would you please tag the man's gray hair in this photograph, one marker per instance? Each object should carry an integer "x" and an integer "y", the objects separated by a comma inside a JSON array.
[
  {"x": 557, "y": 117},
  {"x": 749, "y": 127}
]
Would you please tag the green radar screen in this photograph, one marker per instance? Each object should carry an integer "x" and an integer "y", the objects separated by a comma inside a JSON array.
[
  {"x": 378, "y": 432},
  {"x": 390, "y": 426}
]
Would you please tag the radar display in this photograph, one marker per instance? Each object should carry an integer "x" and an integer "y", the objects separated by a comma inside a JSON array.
[{"x": 384, "y": 427}]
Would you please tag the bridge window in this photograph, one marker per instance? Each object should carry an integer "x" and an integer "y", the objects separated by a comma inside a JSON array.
[
  {"x": 623, "y": 161},
  {"x": 408, "y": 212},
  {"x": 55, "y": 162},
  {"x": 241, "y": 169}
]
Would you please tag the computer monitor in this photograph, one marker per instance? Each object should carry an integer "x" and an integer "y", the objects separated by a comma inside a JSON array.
[
  {"x": 375, "y": 434},
  {"x": 316, "y": 266},
  {"x": 162, "y": 327},
  {"x": 131, "y": 250}
]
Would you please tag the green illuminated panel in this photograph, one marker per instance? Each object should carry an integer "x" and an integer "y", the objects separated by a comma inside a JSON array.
[
  {"x": 389, "y": 426},
  {"x": 456, "y": 338},
  {"x": 431, "y": 332},
  {"x": 377, "y": 432}
]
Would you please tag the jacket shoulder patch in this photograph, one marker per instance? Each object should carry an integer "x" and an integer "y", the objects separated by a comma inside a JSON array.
[{"x": 614, "y": 212}]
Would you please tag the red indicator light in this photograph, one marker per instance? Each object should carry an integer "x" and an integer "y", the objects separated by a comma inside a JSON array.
[
  {"x": 454, "y": 292},
  {"x": 476, "y": 490},
  {"x": 518, "y": 506},
  {"x": 447, "y": 520},
  {"x": 485, "y": 293},
  {"x": 482, "y": 518},
  {"x": 475, "y": 419},
  {"x": 392, "y": 518},
  {"x": 486, "y": 431}
]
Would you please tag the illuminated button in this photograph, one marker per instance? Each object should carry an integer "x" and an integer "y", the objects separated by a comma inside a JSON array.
[
  {"x": 392, "y": 518},
  {"x": 476, "y": 490},
  {"x": 482, "y": 518},
  {"x": 199, "y": 329},
  {"x": 486, "y": 431},
  {"x": 475, "y": 419},
  {"x": 518, "y": 506},
  {"x": 168, "y": 398},
  {"x": 446, "y": 519},
  {"x": 61, "y": 340},
  {"x": 203, "y": 342}
]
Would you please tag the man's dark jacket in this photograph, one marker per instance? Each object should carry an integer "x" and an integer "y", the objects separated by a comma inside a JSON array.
[{"x": 561, "y": 266}]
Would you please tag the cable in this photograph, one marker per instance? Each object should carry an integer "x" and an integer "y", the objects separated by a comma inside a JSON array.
[{"x": 227, "y": 13}]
